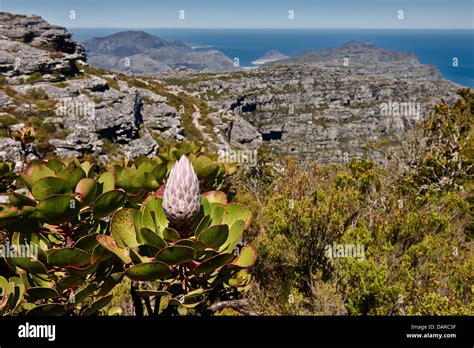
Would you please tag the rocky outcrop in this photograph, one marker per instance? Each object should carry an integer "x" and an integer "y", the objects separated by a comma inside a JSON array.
[
  {"x": 164, "y": 119},
  {"x": 30, "y": 44},
  {"x": 96, "y": 113},
  {"x": 234, "y": 131},
  {"x": 92, "y": 113},
  {"x": 9, "y": 149},
  {"x": 242, "y": 132},
  {"x": 325, "y": 113}
]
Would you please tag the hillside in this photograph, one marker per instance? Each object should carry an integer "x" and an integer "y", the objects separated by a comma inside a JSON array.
[
  {"x": 142, "y": 53},
  {"x": 270, "y": 56},
  {"x": 323, "y": 112},
  {"x": 368, "y": 59}
]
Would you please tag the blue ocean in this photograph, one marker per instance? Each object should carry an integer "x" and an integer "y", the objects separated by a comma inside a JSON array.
[{"x": 436, "y": 47}]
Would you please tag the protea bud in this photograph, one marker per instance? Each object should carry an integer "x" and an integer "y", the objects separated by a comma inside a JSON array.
[{"x": 181, "y": 198}]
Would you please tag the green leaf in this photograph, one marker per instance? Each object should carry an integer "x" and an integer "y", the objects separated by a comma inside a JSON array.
[
  {"x": 153, "y": 216},
  {"x": 234, "y": 212},
  {"x": 108, "y": 202},
  {"x": 84, "y": 271},
  {"x": 22, "y": 221},
  {"x": 29, "y": 264},
  {"x": 49, "y": 309},
  {"x": 176, "y": 254},
  {"x": 194, "y": 293},
  {"x": 6, "y": 295},
  {"x": 109, "y": 243},
  {"x": 96, "y": 306},
  {"x": 217, "y": 213},
  {"x": 159, "y": 172},
  {"x": 100, "y": 253},
  {"x": 170, "y": 234},
  {"x": 230, "y": 168},
  {"x": 41, "y": 293},
  {"x": 202, "y": 162},
  {"x": 206, "y": 206},
  {"x": 11, "y": 294},
  {"x": 19, "y": 290},
  {"x": 122, "y": 228},
  {"x": 108, "y": 181},
  {"x": 68, "y": 257},
  {"x": 136, "y": 216},
  {"x": 3, "y": 284},
  {"x": 57, "y": 209},
  {"x": 246, "y": 258},
  {"x": 81, "y": 295},
  {"x": 144, "y": 177},
  {"x": 135, "y": 183},
  {"x": 110, "y": 282},
  {"x": 213, "y": 263},
  {"x": 55, "y": 165},
  {"x": 216, "y": 197},
  {"x": 152, "y": 239},
  {"x": 49, "y": 186},
  {"x": 207, "y": 254},
  {"x": 235, "y": 235},
  {"x": 148, "y": 271},
  {"x": 40, "y": 279},
  {"x": 9, "y": 299},
  {"x": 88, "y": 168},
  {"x": 6, "y": 168},
  {"x": 203, "y": 224},
  {"x": 86, "y": 189},
  {"x": 87, "y": 242},
  {"x": 69, "y": 282},
  {"x": 37, "y": 169},
  {"x": 205, "y": 167},
  {"x": 197, "y": 245},
  {"x": 214, "y": 236},
  {"x": 19, "y": 200},
  {"x": 72, "y": 174}
]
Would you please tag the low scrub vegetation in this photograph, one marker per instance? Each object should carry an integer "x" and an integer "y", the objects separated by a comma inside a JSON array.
[{"x": 355, "y": 239}]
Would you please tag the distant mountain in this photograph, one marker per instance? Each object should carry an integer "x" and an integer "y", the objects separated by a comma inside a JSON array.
[
  {"x": 270, "y": 56},
  {"x": 367, "y": 58},
  {"x": 140, "y": 52}
]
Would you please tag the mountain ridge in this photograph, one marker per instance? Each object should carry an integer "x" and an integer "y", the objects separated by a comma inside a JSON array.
[
  {"x": 365, "y": 57},
  {"x": 144, "y": 53}
]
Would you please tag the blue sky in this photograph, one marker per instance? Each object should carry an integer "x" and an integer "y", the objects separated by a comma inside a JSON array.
[{"x": 433, "y": 14}]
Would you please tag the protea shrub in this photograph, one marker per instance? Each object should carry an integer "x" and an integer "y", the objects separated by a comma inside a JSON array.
[
  {"x": 181, "y": 197},
  {"x": 93, "y": 216}
]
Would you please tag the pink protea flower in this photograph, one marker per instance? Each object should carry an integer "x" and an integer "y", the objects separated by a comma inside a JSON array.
[{"x": 181, "y": 197}]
